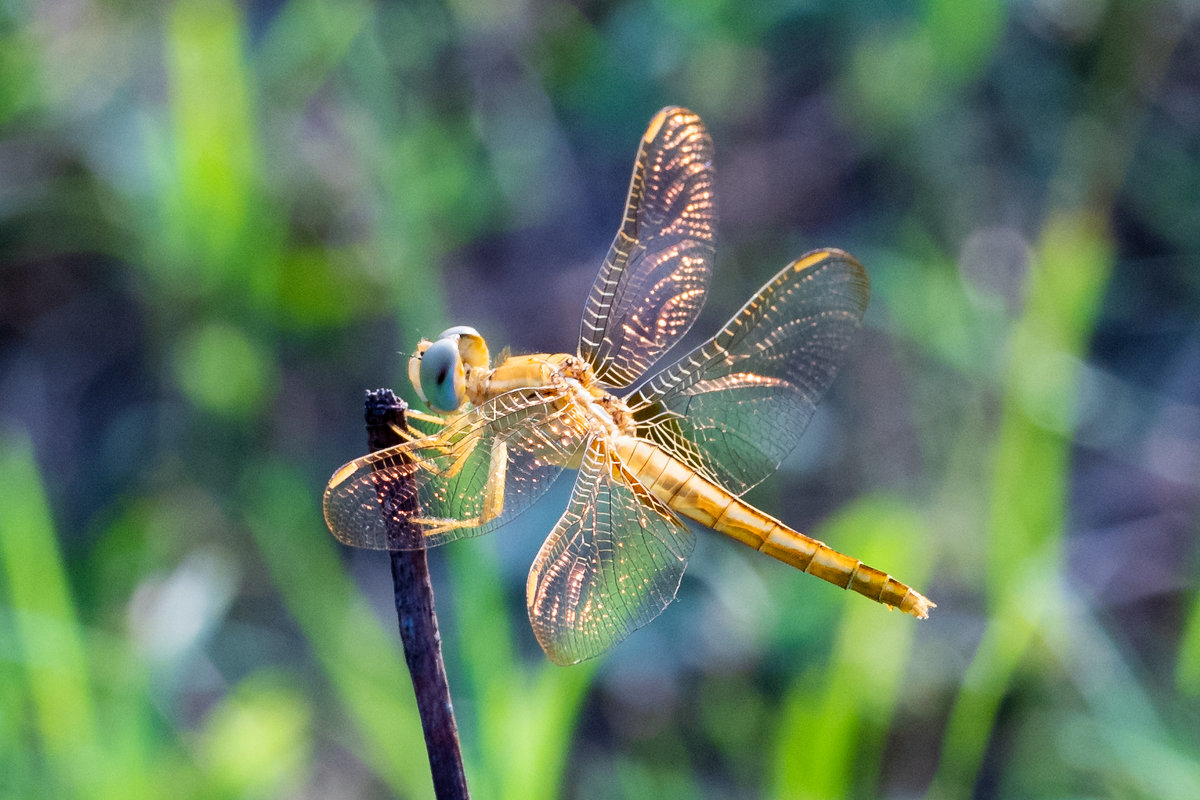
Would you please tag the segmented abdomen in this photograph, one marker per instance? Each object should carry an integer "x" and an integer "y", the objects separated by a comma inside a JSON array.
[{"x": 693, "y": 496}]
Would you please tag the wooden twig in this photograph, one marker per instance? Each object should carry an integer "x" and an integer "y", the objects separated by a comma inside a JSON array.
[{"x": 418, "y": 624}]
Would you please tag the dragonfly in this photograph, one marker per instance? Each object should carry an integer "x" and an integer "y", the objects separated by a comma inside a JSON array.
[{"x": 686, "y": 443}]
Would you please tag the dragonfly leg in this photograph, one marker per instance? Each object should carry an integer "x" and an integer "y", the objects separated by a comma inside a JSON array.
[
  {"x": 408, "y": 433},
  {"x": 493, "y": 494},
  {"x": 432, "y": 419}
]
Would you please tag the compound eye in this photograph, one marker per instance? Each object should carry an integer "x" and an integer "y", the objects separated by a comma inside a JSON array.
[
  {"x": 471, "y": 346},
  {"x": 441, "y": 373}
]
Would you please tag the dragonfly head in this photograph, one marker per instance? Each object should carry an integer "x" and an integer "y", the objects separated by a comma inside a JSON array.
[{"x": 438, "y": 370}]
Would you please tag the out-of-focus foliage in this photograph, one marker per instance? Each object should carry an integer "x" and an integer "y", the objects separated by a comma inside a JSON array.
[{"x": 220, "y": 222}]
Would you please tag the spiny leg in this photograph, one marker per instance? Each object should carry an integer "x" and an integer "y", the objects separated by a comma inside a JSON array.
[
  {"x": 408, "y": 433},
  {"x": 493, "y": 494},
  {"x": 437, "y": 441},
  {"x": 432, "y": 419}
]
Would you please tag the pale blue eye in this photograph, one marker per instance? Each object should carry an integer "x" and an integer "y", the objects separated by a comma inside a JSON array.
[
  {"x": 458, "y": 330},
  {"x": 442, "y": 376}
]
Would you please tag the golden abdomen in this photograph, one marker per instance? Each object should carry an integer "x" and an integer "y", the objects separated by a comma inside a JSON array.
[{"x": 696, "y": 498}]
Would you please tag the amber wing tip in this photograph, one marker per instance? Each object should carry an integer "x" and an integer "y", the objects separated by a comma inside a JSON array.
[{"x": 917, "y": 604}]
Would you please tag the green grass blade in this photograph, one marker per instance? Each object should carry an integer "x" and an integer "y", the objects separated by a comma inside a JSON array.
[
  {"x": 1029, "y": 485},
  {"x": 361, "y": 660},
  {"x": 210, "y": 202},
  {"x": 525, "y": 713},
  {"x": 306, "y": 41},
  {"x": 832, "y": 726},
  {"x": 1187, "y": 663},
  {"x": 49, "y": 642}
]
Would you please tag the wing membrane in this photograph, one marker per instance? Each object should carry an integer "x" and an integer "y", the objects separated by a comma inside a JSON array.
[
  {"x": 656, "y": 274},
  {"x": 436, "y": 489},
  {"x": 612, "y": 563},
  {"x": 736, "y": 406}
]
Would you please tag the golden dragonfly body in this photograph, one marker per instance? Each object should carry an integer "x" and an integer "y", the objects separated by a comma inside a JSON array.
[{"x": 688, "y": 442}]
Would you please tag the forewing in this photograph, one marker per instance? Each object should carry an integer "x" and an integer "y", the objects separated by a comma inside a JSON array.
[
  {"x": 656, "y": 274},
  {"x": 734, "y": 407},
  {"x": 421, "y": 493},
  {"x": 612, "y": 563}
]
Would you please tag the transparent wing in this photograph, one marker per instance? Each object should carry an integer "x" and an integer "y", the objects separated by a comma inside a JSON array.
[
  {"x": 482, "y": 470},
  {"x": 734, "y": 407},
  {"x": 612, "y": 563},
  {"x": 654, "y": 279}
]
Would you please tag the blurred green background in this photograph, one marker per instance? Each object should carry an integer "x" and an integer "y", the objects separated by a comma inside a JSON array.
[{"x": 220, "y": 222}]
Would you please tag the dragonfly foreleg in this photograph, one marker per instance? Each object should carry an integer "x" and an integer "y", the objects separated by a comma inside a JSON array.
[
  {"x": 459, "y": 449},
  {"x": 492, "y": 505},
  {"x": 409, "y": 433},
  {"x": 432, "y": 419},
  {"x": 406, "y": 433}
]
